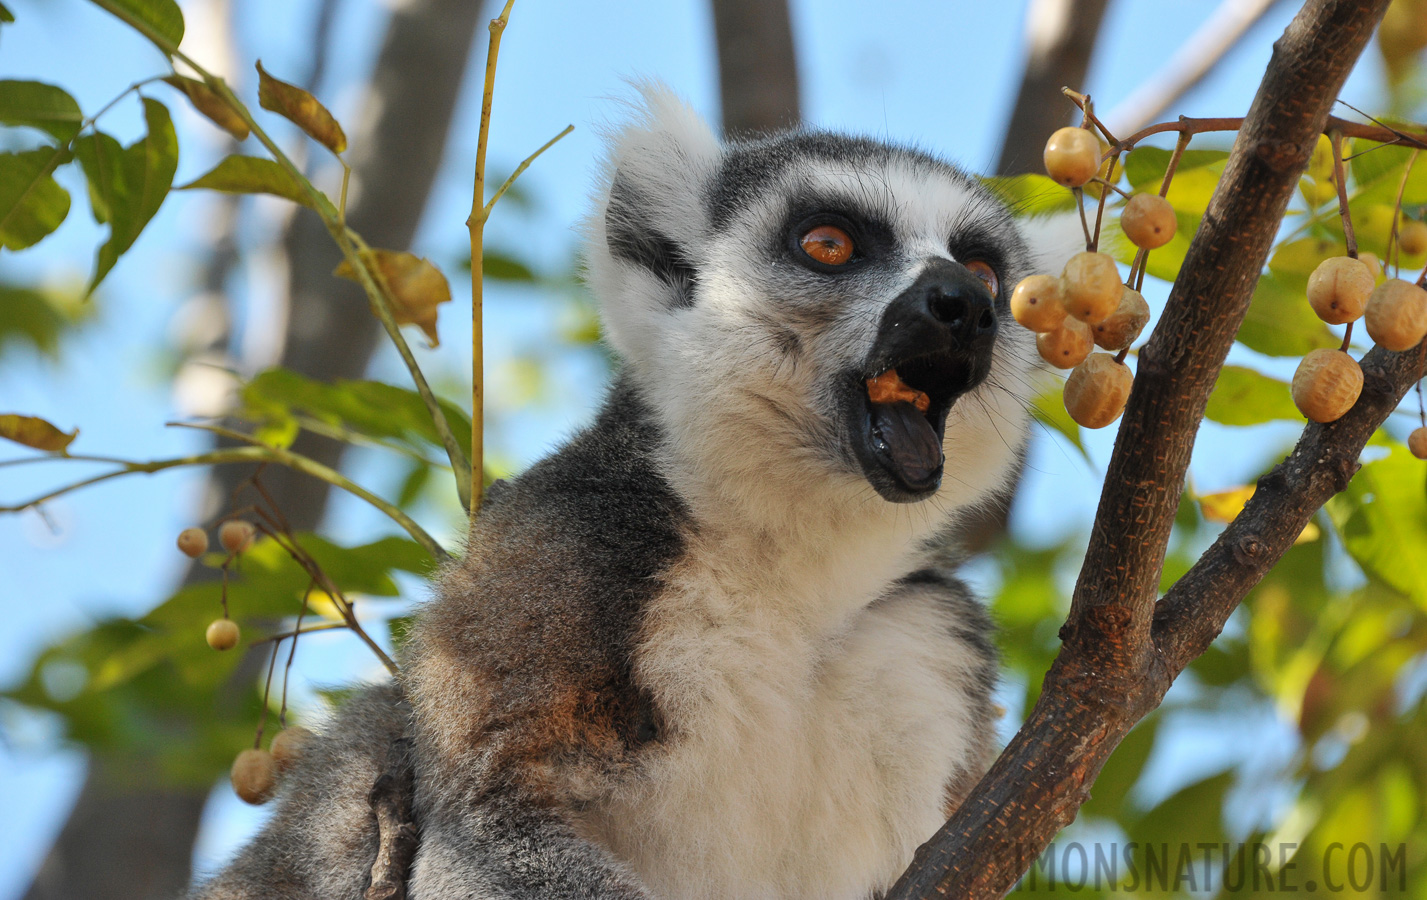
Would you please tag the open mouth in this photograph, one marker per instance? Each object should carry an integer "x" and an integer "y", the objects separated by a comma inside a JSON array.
[{"x": 903, "y": 420}]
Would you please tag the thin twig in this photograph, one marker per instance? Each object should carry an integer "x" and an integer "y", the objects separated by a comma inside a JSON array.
[
  {"x": 476, "y": 225},
  {"x": 1336, "y": 138},
  {"x": 316, "y": 469}
]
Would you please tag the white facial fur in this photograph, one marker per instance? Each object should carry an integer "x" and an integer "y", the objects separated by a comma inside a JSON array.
[{"x": 818, "y": 708}]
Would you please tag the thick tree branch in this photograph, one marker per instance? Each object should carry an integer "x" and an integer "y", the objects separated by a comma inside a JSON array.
[
  {"x": 1109, "y": 672},
  {"x": 1194, "y": 611}
]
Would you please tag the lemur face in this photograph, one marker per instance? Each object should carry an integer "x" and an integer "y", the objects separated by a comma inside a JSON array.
[{"x": 753, "y": 289}]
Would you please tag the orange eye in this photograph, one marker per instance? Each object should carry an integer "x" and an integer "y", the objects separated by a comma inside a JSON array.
[
  {"x": 987, "y": 274},
  {"x": 828, "y": 244}
]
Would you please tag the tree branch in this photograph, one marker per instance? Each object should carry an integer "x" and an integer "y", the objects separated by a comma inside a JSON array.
[
  {"x": 1109, "y": 672},
  {"x": 1194, "y": 611}
]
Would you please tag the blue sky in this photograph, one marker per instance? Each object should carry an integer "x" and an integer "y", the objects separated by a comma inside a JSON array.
[{"x": 939, "y": 74}]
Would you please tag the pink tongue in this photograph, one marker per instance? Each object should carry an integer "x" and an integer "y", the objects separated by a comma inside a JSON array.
[{"x": 911, "y": 444}]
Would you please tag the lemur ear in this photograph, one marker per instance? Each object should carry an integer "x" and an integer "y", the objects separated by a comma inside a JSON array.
[{"x": 650, "y": 218}]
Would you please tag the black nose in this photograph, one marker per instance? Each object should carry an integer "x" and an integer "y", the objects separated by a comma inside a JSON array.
[
  {"x": 946, "y": 306},
  {"x": 969, "y": 314}
]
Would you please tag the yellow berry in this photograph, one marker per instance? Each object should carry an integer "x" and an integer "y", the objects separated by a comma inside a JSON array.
[
  {"x": 1095, "y": 393},
  {"x": 1338, "y": 289},
  {"x": 1412, "y": 238},
  {"x": 1119, "y": 329},
  {"x": 1066, "y": 346},
  {"x": 1374, "y": 265},
  {"x": 1417, "y": 442},
  {"x": 1092, "y": 286},
  {"x": 1148, "y": 221},
  {"x": 1072, "y": 156},
  {"x": 1326, "y": 385},
  {"x": 1036, "y": 303},
  {"x": 235, "y": 536},
  {"x": 222, "y": 634},
  {"x": 288, "y": 745},
  {"x": 254, "y": 775},
  {"x": 1397, "y": 314},
  {"x": 193, "y": 542}
]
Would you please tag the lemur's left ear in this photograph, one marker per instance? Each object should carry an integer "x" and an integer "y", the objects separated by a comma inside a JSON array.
[{"x": 650, "y": 219}]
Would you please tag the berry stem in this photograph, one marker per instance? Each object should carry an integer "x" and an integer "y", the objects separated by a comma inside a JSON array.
[
  {"x": 1347, "y": 336},
  {"x": 1179, "y": 147},
  {"x": 1120, "y": 357},
  {"x": 1084, "y": 223},
  {"x": 292, "y": 652},
  {"x": 267, "y": 687},
  {"x": 1104, "y": 195},
  {"x": 1394, "y": 248},
  {"x": 1336, "y": 137},
  {"x": 1087, "y": 106}
]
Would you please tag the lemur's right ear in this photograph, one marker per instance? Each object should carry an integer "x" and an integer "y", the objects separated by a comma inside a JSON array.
[{"x": 651, "y": 218}]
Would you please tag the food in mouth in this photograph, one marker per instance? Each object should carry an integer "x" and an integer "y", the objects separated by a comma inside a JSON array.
[
  {"x": 890, "y": 388},
  {"x": 901, "y": 432}
]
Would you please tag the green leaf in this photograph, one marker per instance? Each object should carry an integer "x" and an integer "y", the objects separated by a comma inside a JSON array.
[
  {"x": 1030, "y": 195},
  {"x": 161, "y": 21},
  {"x": 1377, "y": 170},
  {"x": 34, "y": 432},
  {"x": 252, "y": 175},
  {"x": 143, "y": 177},
  {"x": 41, "y": 106},
  {"x": 369, "y": 409},
  {"x": 5, "y": 15},
  {"x": 1293, "y": 261},
  {"x": 32, "y": 317},
  {"x": 100, "y": 156},
  {"x": 1280, "y": 322},
  {"x": 1049, "y": 410},
  {"x": 1382, "y": 519},
  {"x": 32, "y": 204},
  {"x": 1144, "y": 166},
  {"x": 502, "y": 267},
  {"x": 1244, "y": 397}
]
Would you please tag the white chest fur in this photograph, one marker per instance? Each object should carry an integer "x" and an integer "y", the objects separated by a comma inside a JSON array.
[{"x": 799, "y": 763}]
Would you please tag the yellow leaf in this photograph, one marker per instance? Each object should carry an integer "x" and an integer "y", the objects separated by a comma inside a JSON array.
[
  {"x": 321, "y": 603},
  {"x": 302, "y": 109},
  {"x": 1225, "y": 506},
  {"x": 211, "y": 106},
  {"x": 415, "y": 285},
  {"x": 35, "y": 432}
]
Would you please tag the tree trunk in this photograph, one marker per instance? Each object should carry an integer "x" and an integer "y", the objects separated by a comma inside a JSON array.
[
  {"x": 757, "y": 66},
  {"x": 1061, "y": 38},
  {"x": 125, "y": 840}
]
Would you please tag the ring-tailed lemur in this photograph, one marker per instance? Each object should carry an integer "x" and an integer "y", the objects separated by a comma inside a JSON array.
[{"x": 708, "y": 649}]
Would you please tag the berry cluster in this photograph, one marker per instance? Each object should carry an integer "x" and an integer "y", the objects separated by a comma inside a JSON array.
[{"x": 1088, "y": 304}]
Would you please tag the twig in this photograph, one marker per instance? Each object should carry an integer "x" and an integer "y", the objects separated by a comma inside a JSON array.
[
  {"x": 309, "y": 466},
  {"x": 1340, "y": 176},
  {"x": 476, "y": 225}
]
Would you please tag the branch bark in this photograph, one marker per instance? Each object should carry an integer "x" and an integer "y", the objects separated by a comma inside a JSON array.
[{"x": 1110, "y": 671}]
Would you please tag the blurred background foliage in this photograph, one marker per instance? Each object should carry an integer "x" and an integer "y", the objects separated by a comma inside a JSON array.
[{"x": 1304, "y": 724}]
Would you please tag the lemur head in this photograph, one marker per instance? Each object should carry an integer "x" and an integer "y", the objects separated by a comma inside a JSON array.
[{"x": 752, "y": 289}]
